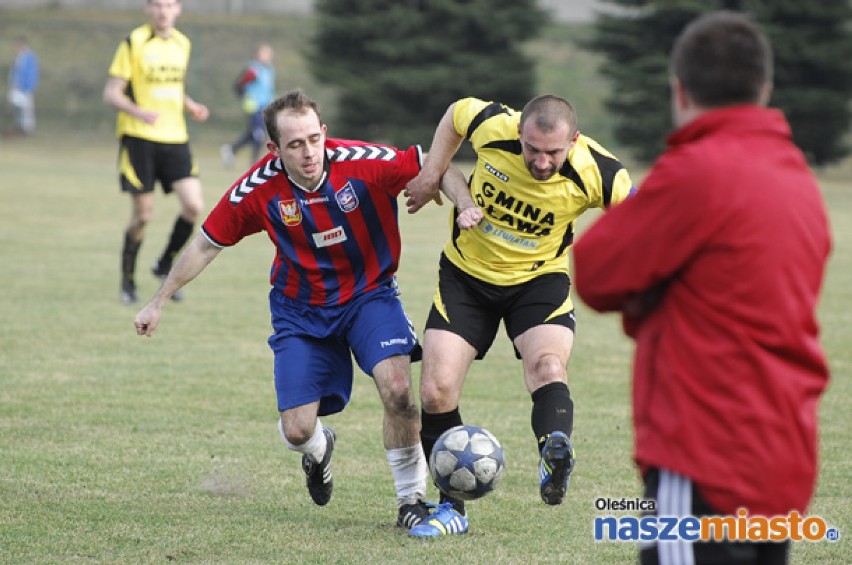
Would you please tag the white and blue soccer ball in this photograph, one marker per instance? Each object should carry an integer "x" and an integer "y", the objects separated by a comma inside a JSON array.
[{"x": 467, "y": 462}]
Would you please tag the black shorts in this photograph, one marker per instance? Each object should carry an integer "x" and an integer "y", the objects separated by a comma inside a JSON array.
[
  {"x": 141, "y": 163},
  {"x": 676, "y": 495},
  {"x": 473, "y": 309}
]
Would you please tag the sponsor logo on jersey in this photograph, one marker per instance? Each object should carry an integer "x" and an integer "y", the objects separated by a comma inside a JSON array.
[
  {"x": 346, "y": 198},
  {"x": 313, "y": 200},
  {"x": 502, "y": 176},
  {"x": 291, "y": 214},
  {"x": 510, "y": 238},
  {"x": 512, "y": 212},
  {"x": 330, "y": 237}
]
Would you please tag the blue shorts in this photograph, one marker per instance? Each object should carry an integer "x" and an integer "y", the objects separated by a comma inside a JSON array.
[{"x": 314, "y": 345}]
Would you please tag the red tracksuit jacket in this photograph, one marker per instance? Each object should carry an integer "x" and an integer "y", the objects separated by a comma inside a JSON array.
[{"x": 728, "y": 240}]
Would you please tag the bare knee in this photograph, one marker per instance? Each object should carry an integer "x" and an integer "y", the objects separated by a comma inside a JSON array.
[
  {"x": 297, "y": 436},
  {"x": 439, "y": 395},
  {"x": 192, "y": 210},
  {"x": 140, "y": 214},
  {"x": 136, "y": 225},
  {"x": 191, "y": 198},
  {"x": 295, "y": 431},
  {"x": 394, "y": 383},
  {"x": 548, "y": 368},
  {"x": 398, "y": 398}
]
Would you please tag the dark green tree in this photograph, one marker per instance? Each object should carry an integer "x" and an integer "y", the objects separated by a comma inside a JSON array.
[
  {"x": 812, "y": 42},
  {"x": 398, "y": 64},
  {"x": 813, "y": 67}
]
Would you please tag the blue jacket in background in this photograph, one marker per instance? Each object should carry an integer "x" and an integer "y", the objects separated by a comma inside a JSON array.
[{"x": 24, "y": 73}]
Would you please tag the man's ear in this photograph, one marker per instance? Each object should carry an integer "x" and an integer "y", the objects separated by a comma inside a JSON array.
[
  {"x": 273, "y": 148},
  {"x": 765, "y": 94},
  {"x": 679, "y": 96}
]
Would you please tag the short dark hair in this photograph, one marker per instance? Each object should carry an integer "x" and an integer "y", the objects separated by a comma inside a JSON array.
[
  {"x": 547, "y": 110},
  {"x": 294, "y": 100},
  {"x": 722, "y": 58}
]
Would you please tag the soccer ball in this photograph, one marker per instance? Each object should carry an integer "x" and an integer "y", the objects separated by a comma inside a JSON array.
[{"x": 467, "y": 462}]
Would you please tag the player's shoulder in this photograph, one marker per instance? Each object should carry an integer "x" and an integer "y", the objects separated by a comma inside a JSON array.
[
  {"x": 597, "y": 172},
  {"x": 258, "y": 178},
  {"x": 488, "y": 125},
  {"x": 140, "y": 34},
  {"x": 588, "y": 154},
  {"x": 485, "y": 119},
  {"x": 351, "y": 150},
  {"x": 588, "y": 145},
  {"x": 181, "y": 38},
  {"x": 473, "y": 105}
]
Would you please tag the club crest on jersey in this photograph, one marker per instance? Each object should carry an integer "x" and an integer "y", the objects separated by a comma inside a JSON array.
[
  {"x": 346, "y": 198},
  {"x": 291, "y": 214}
]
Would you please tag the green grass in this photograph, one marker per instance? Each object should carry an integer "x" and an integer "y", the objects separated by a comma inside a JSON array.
[{"x": 119, "y": 449}]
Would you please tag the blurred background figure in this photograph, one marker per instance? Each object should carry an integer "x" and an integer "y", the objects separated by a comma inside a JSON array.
[
  {"x": 23, "y": 81},
  {"x": 146, "y": 85},
  {"x": 256, "y": 88}
]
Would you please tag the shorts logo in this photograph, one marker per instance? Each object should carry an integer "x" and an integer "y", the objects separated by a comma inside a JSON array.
[
  {"x": 291, "y": 214},
  {"x": 346, "y": 198},
  {"x": 330, "y": 237}
]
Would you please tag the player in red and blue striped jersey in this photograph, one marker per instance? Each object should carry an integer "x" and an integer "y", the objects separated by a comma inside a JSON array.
[
  {"x": 336, "y": 241},
  {"x": 330, "y": 208}
]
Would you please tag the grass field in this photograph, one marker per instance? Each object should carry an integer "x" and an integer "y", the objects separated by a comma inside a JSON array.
[{"x": 119, "y": 449}]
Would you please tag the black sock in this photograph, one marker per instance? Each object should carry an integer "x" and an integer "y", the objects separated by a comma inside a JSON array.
[
  {"x": 180, "y": 234},
  {"x": 432, "y": 426},
  {"x": 553, "y": 410},
  {"x": 128, "y": 257}
]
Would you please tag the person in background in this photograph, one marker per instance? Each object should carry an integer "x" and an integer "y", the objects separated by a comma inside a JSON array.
[
  {"x": 23, "y": 82},
  {"x": 256, "y": 87},
  {"x": 507, "y": 261},
  {"x": 146, "y": 85},
  {"x": 329, "y": 208},
  {"x": 716, "y": 267}
]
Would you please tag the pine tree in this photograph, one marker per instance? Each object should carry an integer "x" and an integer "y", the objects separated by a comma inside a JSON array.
[
  {"x": 637, "y": 45},
  {"x": 812, "y": 44},
  {"x": 813, "y": 67},
  {"x": 398, "y": 64}
]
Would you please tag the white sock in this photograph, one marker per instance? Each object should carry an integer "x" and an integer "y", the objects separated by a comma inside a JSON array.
[
  {"x": 313, "y": 448},
  {"x": 408, "y": 465}
]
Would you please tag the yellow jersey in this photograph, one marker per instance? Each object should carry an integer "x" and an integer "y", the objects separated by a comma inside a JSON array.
[
  {"x": 527, "y": 226},
  {"x": 155, "y": 69}
]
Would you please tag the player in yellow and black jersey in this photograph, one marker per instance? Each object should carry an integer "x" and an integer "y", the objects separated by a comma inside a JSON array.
[
  {"x": 146, "y": 86},
  {"x": 507, "y": 260}
]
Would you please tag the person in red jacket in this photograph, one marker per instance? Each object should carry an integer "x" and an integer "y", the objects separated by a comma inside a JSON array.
[{"x": 716, "y": 265}]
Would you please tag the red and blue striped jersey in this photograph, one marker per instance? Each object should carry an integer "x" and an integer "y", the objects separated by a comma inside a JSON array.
[{"x": 332, "y": 244}]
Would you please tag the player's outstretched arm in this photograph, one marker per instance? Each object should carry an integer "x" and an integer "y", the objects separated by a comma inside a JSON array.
[
  {"x": 194, "y": 259},
  {"x": 454, "y": 185},
  {"x": 425, "y": 186}
]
